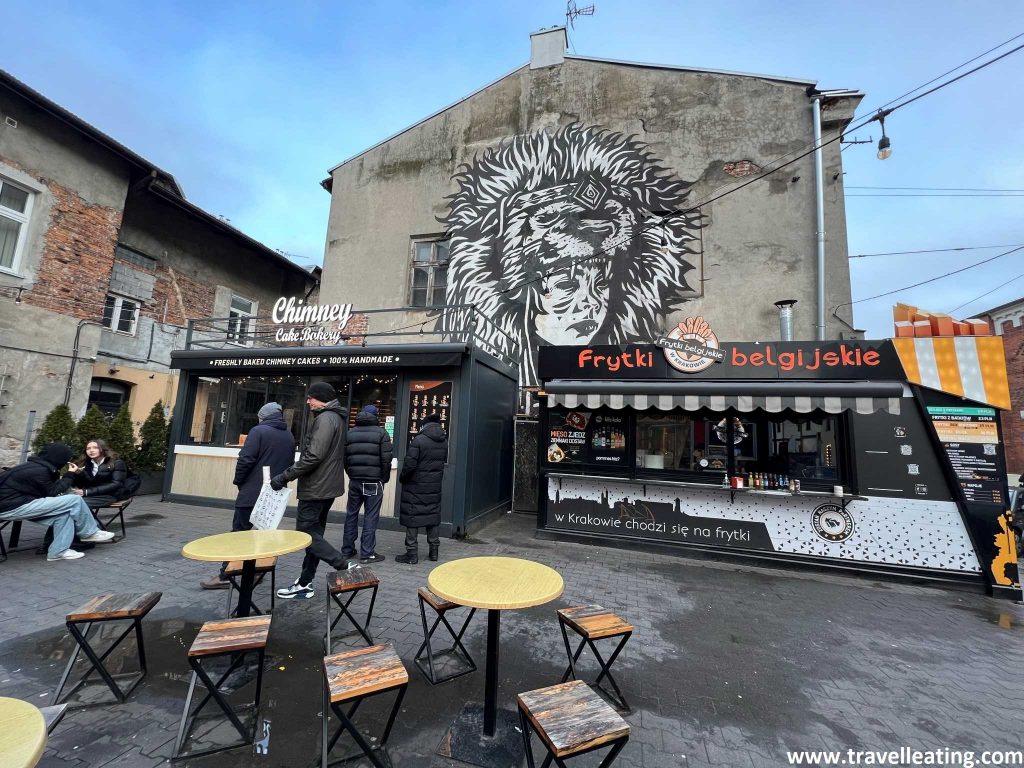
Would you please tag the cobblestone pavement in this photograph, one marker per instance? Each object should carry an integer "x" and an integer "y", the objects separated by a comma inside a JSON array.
[{"x": 729, "y": 665}]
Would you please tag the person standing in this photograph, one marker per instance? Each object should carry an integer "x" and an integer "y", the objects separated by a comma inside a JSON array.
[
  {"x": 268, "y": 444},
  {"x": 368, "y": 464},
  {"x": 321, "y": 475},
  {"x": 421, "y": 476},
  {"x": 35, "y": 491}
]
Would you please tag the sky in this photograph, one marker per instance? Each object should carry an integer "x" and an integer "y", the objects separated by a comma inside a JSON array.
[{"x": 249, "y": 104}]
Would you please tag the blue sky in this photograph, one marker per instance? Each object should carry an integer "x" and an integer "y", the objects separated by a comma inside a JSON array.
[{"x": 249, "y": 104}]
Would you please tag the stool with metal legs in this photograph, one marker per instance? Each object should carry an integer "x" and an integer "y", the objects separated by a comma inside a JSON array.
[
  {"x": 229, "y": 637},
  {"x": 101, "y": 609},
  {"x": 350, "y": 678},
  {"x": 592, "y": 622},
  {"x": 441, "y": 607},
  {"x": 233, "y": 572},
  {"x": 571, "y": 720},
  {"x": 350, "y": 582}
]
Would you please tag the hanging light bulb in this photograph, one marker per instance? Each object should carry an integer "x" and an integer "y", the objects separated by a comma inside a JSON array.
[{"x": 884, "y": 148}]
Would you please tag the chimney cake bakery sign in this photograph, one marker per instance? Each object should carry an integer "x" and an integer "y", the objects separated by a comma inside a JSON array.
[{"x": 319, "y": 322}]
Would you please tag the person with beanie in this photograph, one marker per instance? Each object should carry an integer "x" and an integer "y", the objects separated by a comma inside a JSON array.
[
  {"x": 269, "y": 444},
  {"x": 368, "y": 464},
  {"x": 422, "y": 472},
  {"x": 36, "y": 491},
  {"x": 321, "y": 475}
]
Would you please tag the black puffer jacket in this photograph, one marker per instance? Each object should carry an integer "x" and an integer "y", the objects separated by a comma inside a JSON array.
[
  {"x": 421, "y": 476},
  {"x": 108, "y": 480},
  {"x": 368, "y": 450},
  {"x": 37, "y": 478}
]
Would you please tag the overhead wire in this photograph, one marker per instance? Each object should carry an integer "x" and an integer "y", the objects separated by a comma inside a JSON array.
[
  {"x": 932, "y": 250},
  {"x": 1002, "y": 284}
]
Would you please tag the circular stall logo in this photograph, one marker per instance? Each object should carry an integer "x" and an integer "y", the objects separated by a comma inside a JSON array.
[
  {"x": 691, "y": 346},
  {"x": 832, "y": 522}
]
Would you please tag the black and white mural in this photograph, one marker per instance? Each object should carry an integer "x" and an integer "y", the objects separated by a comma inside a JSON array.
[{"x": 562, "y": 238}]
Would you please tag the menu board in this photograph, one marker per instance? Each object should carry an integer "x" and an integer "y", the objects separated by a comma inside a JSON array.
[
  {"x": 583, "y": 437},
  {"x": 425, "y": 398},
  {"x": 970, "y": 438}
]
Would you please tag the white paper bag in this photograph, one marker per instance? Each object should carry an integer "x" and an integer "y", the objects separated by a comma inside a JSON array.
[{"x": 270, "y": 505}]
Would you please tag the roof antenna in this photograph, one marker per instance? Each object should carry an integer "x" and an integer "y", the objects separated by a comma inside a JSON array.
[{"x": 572, "y": 12}]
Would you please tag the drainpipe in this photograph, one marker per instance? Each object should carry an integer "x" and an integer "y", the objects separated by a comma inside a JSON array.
[
  {"x": 819, "y": 205},
  {"x": 74, "y": 359}
]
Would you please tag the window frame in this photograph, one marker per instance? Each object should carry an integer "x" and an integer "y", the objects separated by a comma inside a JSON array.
[
  {"x": 237, "y": 336},
  {"x": 431, "y": 268},
  {"x": 22, "y": 219},
  {"x": 115, "y": 315}
]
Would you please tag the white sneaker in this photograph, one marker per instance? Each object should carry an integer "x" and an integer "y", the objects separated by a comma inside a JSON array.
[
  {"x": 67, "y": 554},
  {"x": 296, "y": 590},
  {"x": 98, "y": 537}
]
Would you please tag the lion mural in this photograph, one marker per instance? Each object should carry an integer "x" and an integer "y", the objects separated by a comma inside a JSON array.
[{"x": 556, "y": 238}]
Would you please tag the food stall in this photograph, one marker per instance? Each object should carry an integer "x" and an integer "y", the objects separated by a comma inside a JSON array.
[{"x": 875, "y": 456}]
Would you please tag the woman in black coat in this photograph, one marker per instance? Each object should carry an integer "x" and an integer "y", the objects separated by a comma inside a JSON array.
[
  {"x": 421, "y": 476},
  {"x": 101, "y": 478}
]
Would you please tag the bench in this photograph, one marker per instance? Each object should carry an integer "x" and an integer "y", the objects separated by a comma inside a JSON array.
[
  {"x": 591, "y": 623},
  {"x": 264, "y": 565},
  {"x": 118, "y": 514},
  {"x": 351, "y": 677},
  {"x": 571, "y": 720},
  {"x": 457, "y": 651},
  {"x": 350, "y": 582}
]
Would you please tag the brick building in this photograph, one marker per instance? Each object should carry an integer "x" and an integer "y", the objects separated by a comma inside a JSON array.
[
  {"x": 102, "y": 262},
  {"x": 1007, "y": 320}
]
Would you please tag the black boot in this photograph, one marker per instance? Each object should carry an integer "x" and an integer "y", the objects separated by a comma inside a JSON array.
[
  {"x": 433, "y": 551},
  {"x": 409, "y": 558}
]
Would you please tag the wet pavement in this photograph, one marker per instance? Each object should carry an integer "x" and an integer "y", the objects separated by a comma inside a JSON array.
[{"x": 729, "y": 665}]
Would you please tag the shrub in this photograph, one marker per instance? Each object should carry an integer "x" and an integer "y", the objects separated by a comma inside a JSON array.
[
  {"x": 121, "y": 436},
  {"x": 58, "y": 427},
  {"x": 152, "y": 455},
  {"x": 92, "y": 426}
]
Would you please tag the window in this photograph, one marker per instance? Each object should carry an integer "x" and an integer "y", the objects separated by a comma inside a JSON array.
[
  {"x": 15, "y": 209},
  {"x": 807, "y": 448},
  {"x": 239, "y": 319},
  {"x": 120, "y": 314},
  {"x": 664, "y": 441},
  {"x": 109, "y": 395},
  {"x": 429, "y": 273}
]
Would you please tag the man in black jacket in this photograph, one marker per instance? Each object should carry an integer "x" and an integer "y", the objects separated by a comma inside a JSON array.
[
  {"x": 368, "y": 464},
  {"x": 321, "y": 475},
  {"x": 422, "y": 473},
  {"x": 268, "y": 444},
  {"x": 35, "y": 491}
]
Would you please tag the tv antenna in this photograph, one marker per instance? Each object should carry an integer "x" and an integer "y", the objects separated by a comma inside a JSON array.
[{"x": 572, "y": 11}]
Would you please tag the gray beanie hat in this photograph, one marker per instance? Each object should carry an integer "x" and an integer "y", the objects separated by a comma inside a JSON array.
[{"x": 268, "y": 410}]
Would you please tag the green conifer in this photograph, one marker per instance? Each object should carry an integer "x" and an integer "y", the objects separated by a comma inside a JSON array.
[
  {"x": 58, "y": 427},
  {"x": 94, "y": 425},
  {"x": 121, "y": 436},
  {"x": 152, "y": 455}
]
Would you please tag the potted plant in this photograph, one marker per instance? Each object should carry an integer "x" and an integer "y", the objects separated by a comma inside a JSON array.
[{"x": 151, "y": 458}]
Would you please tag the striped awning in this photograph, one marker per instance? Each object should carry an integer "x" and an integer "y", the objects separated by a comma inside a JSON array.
[
  {"x": 746, "y": 396},
  {"x": 972, "y": 367}
]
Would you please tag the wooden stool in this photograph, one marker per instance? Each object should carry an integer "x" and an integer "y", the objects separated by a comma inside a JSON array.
[
  {"x": 103, "y": 608},
  {"x": 441, "y": 607},
  {"x": 234, "y": 637},
  {"x": 263, "y": 566},
  {"x": 118, "y": 514},
  {"x": 354, "y": 676},
  {"x": 592, "y": 622},
  {"x": 350, "y": 582},
  {"x": 571, "y": 720}
]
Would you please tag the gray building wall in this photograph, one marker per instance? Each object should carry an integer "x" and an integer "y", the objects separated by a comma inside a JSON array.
[{"x": 709, "y": 129}]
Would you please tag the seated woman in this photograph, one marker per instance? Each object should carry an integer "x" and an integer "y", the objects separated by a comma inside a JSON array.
[{"x": 101, "y": 478}]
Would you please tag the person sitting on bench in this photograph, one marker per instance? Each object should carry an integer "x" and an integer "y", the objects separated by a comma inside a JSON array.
[
  {"x": 35, "y": 491},
  {"x": 101, "y": 477}
]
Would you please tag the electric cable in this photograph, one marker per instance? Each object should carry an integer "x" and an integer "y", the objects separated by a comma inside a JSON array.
[
  {"x": 933, "y": 250},
  {"x": 1002, "y": 284}
]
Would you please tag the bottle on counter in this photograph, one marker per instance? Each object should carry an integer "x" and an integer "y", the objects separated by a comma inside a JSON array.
[{"x": 797, "y": 486}]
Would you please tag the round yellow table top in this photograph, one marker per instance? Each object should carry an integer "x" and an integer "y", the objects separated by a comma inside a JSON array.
[
  {"x": 495, "y": 582},
  {"x": 246, "y": 545},
  {"x": 22, "y": 733}
]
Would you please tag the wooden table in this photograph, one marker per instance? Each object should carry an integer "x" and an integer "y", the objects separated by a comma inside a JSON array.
[
  {"x": 497, "y": 584},
  {"x": 22, "y": 733},
  {"x": 247, "y": 546}
]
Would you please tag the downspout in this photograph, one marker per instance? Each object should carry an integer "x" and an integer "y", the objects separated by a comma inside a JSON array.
[
  {"x": 74, "y": 358},
  {"x": 819, "y": 210}
]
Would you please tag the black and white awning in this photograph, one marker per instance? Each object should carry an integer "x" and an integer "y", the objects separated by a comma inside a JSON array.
[{"x": 743, "y": 396}]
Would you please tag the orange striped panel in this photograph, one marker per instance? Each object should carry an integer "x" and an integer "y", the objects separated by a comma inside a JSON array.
[
  {"x": 992, "y": 361},
  {"x": 908, "y": 358},
  {"x": 947, "y": 365}
]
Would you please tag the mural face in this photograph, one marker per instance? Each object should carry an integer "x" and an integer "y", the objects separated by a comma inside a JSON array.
[{"x": 555, "y": 238}]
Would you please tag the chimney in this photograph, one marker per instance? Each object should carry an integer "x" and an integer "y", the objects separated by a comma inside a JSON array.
[
  {"x": 547, "y": 47},
  {"x": 786, "y": 318}
]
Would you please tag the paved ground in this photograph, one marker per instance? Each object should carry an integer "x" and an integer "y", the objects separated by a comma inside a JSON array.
[{"x": 729, "y": 666}]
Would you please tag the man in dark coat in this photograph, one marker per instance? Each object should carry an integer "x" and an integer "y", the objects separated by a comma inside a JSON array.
[
  {"x": 268, "y": 444},
  {"x": 368, "y": 464},
  {"x": 421, "y": 476},
  {"x": 35, "y": 491},
  {"x": 321, "y": 475}
]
